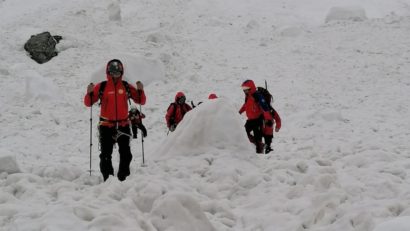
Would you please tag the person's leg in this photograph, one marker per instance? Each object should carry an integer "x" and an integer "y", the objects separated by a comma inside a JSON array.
[
  {"x": 257, "y": 131},
  {"x": 249, "y": 127},
  {"x": 125, "y": 153},
  {"x": 107, "y": 143},
  {"x": 268, "y": 141}
]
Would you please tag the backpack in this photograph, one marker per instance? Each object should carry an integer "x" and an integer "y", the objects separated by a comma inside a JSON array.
[
  {"x": 102, "y": 88},
  {"x": 265, "y": 94}
]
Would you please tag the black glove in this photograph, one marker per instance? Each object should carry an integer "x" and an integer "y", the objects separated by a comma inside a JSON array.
[
  {"x": 172, "y": 127},
  {"x": 134, "y": 131},
  {"x": 143, "y": 130}
]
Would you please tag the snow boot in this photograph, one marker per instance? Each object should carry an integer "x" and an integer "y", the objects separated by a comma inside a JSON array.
[{"x": 268, "y": 149}]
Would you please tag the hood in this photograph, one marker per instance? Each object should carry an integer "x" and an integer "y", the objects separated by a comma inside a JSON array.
[
  {"x": 109, "y": 77},
  {"x": 179, "y": 94},
  {"x": 212, "y": 96},
  {"x": 249, "y": 83}
]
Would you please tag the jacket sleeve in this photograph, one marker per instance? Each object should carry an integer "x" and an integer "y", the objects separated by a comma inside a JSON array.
[
  {"x": 278, "y": 121},
  {"x": 138, "y": 96},
  {"x": 188, "y": 107},
  {"x": 242, "y": 109},
  {"x": 169, "y": 114},
  {"x": 90, "y": 99}
]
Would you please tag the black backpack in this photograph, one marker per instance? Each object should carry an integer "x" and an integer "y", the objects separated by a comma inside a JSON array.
[
  {"x": 102, "y": 88},
  {"x": 265, "y": 94}
]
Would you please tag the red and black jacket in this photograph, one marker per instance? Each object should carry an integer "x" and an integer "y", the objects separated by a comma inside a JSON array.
[
  {"x": 255, "y": 105},
  {"x": 114, "y": 101},
  {"x": 176, "y": 112}
]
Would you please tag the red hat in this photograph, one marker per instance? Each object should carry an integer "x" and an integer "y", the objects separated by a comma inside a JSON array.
[{"x": 212, "y": 96}]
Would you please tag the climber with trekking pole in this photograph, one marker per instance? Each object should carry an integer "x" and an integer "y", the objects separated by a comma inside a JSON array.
[
  {"x": 136, "y": 117},
  {"x": 114, "y": 125}
]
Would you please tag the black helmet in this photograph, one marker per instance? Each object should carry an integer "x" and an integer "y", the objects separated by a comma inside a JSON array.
[{"x": 115, "y": 67}]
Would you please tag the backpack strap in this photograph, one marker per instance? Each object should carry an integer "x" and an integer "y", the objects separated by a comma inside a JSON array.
[
  {"x": 101, "y": 91},
  {"x": 127, "y": 89}
]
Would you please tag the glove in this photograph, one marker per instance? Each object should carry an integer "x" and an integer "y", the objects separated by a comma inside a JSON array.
[
  {"x": 90, "y": 88},
  {"x": 143, "y": 130},
  {"x": 172, "y": 127},
  {"x": 140, "y": 86},
  {"x": 277, "y": 129},
  {"x": 269, "y": 123}
]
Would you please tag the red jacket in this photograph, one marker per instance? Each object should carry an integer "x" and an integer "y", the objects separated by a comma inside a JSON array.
[
  {"x": 176, "y": 112},
  {"x": 114, "y": 101},
  {"x": 252, "y": 108}
]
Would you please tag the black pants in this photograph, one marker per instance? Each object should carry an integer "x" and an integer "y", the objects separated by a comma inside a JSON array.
[
  {"x": 107, "y": 141},
  {"x": 268, "y": 139},
  {"x": 254, "y": 126}
]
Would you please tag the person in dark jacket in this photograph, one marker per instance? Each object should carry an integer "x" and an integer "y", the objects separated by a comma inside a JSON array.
[
  {"x": 176, "y": 111},
  {"x": 257, "y": 110},
  {"x": 114, "y": 126}
]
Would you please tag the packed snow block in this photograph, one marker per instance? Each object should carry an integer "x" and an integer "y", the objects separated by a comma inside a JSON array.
[
  {"x": 214, "y": 123},
  {"x": 42, "y": 47},
  {"x": 8, "y": 163},
  {"x": 178, "y": 211},
  {"x": 346, "y": 14}
]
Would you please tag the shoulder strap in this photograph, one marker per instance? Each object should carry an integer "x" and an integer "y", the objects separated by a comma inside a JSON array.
[
  {"x": 101, "y": 91},
  {"x": 127, "y": 89}
]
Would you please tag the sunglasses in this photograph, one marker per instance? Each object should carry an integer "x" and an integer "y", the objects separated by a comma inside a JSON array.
[
  {"x": 246, "y": 89},
  {"x": 115, "y": 74}
]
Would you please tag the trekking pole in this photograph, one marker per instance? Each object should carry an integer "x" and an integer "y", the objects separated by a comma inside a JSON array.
[
  {"x": 142, "y": 145},
  {"x": 91, "y": 127}
]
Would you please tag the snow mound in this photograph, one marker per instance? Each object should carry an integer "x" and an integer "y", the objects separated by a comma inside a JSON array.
[
  {"x": 179, "y": 212},
  {"x": 396, "y": 224},
  {"x": 38, "y": 87},
  {"x": 8, "y": 162},
  {"x": 135, "y": 69},
  {"x": 352, "y": 13},
  {"x": 215, "y": 123}
]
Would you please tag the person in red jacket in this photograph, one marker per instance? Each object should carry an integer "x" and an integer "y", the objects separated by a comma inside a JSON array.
[
  {"x": 176, "y": 111},
  {"x": 114, "y": 126},
  {"x": 257, "y": 110},
  {"x": 267, "y": 130}
]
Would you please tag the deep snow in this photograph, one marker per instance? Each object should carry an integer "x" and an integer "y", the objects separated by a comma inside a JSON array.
[{"x": 341, "y": 88}]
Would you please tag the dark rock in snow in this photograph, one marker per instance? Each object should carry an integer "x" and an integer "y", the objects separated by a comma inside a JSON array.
[{"x": 42, "y": 47}]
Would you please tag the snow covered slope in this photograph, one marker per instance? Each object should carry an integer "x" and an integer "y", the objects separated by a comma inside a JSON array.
[{"x": 341, "y": 159}]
